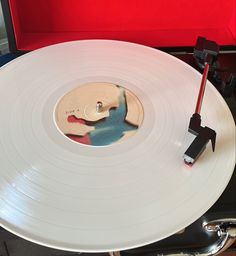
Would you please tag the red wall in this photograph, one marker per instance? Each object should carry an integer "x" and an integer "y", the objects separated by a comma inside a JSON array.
[{"x": 150, "y": 22}]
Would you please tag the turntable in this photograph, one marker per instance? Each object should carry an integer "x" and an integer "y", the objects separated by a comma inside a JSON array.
[{"x": 94, "y": 132}]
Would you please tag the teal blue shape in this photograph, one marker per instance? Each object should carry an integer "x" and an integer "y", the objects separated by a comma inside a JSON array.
[{"x": 112, "y": 128}]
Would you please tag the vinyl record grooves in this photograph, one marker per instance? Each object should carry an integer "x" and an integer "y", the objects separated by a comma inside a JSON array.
[{"x": 69, "y": 189}]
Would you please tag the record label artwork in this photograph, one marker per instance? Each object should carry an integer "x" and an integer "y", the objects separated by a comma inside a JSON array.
[{"x": 99, "y": 114}]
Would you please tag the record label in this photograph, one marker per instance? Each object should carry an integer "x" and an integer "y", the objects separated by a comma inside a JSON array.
[{"x": 99, "y": 114}]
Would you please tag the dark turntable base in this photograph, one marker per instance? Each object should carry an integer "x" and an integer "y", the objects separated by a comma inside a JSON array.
[{"x": 191, "y": 239}]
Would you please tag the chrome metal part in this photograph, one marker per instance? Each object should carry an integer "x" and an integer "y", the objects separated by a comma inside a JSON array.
[
  {"x": 99, "y": 106},
  {"x": 114, "y": 253},
  {"x": 226, "y": 232}
]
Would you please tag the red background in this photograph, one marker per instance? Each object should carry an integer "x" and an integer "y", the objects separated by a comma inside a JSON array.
[{"x": 150, "y": 22}]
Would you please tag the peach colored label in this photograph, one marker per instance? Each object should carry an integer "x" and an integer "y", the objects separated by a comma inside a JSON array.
[{"x": 99, "y": 114}]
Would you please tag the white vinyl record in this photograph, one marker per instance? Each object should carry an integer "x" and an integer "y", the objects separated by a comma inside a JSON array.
[{"x": 106, "y": 197}]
